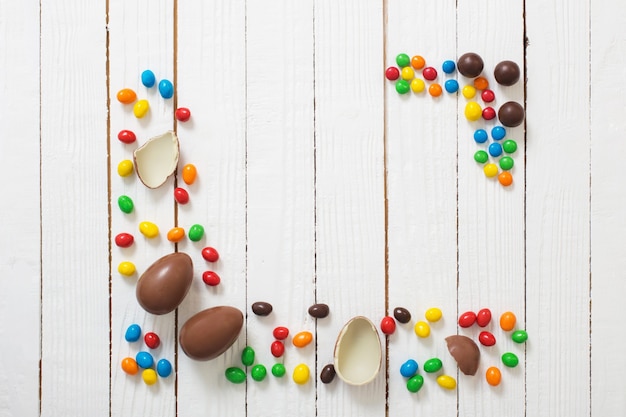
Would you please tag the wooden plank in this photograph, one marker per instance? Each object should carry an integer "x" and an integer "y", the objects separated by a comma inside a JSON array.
[
  {"x": 211, "y": 74},
  {"x": 141, "y": 37},
  {"x": 20, "y": 260},
  {"x": 558, "y": 212},
  {"x": 608, "y": 197},
  {"x": 350, "y": 207},
  {"x": 74, "y": 218},
  {"x": 422, "y": 204}
]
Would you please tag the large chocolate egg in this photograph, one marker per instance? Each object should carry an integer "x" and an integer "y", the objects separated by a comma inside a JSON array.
[
  {"x": 164, "y": 285},
  {"x": 209, "y": 333}
]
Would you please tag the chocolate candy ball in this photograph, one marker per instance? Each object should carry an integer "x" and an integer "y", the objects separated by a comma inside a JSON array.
[
  {"x": 470, "y": 65},
  {"x": 506, "y": 73},
  {"x": 511, "y": 114}
]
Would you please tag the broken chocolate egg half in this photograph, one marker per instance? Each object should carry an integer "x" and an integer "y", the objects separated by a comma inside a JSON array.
[
  {"x": 465, "y": 352},
  {"x": 358, "y": 353},
  {"x": 157, "y": 159}
]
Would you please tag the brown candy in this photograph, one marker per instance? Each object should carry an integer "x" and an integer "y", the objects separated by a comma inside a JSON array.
[
  {"x": 470, "y": 65},
  {"x": 319, "y": 311},
  {"x": 511, "y": 114},
  {"x": 209, "y": 333},
  {"x": 261, "y": 308},
  {"x": 465, "y": 352},
  {"x": 164, "y": 285},
  {"x": 402, "y": 314},
  {"x": 328, "y": 374},
  {"x": 506, "y": 73}
]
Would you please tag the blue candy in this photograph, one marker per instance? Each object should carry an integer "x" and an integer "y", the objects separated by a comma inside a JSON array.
[
  {"x": 144, "y": 360},
  {"x": 448, "y": 67},
  {"x": 451, "y": 86},
  {"x": 148, "y": 79},
  {"x": 480, "y": 136},
  {"x": 133, "y": 333},
  {"x": 408, "y": 368},
  {"x": 164, "y": 368},
  {"x": 166, "y": 89},
  {"x": 495, "y": 149},
  {"x": 498, "y": 133}
]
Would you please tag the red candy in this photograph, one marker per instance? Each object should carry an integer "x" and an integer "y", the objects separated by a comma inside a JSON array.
[
  {"x": 486, "y": 339},
  {"x": 210, "y": 254},
  {"x": 124, "y": 240},
  {"x": 182, "y": 114},
  {"x": 489, "y": 113},
  {"x": 210, "y": 278},
  {"x": 467, "y": 319},
  {"x": 388, "y": 325},
  {"x": 488, "y": 96},
  {"x": 483, "y": 317},
  {"x": 152, "y": 340},
  {"x": 126, "y": 136},
  {"x": 277, "y": 348},
  {"x": 281, "y": 333},
  {"x": 181, "y": 195},
  {"x": 392, "y": 73},
  {"x": 429, "y": 73}
]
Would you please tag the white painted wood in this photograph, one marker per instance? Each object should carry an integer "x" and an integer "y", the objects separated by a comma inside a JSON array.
[
  {"x": 350, "y": 211},
  {"x": 20, "y": 262},
  {"x": 211, "y": 73},
  {"x": 421, "y": 136},
  {"x": 558, "y": 210},
  {"x": 141, "y": 37},
  {"x": 74, "y": 218},
  {"x": 608, "y": 196}
]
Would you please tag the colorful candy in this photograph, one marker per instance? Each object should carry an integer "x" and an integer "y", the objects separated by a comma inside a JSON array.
[
  {"x": 467, "y": 319},
  {"x": 451, "y": 86},
  {"x": 195, "y": 233},
  {"x": 144, "y": 359},
  {"x": 429, "y": 73},
  {"x": 176, "y": 234},
  {"x": 152, "y": 340},
  {"x": 280, "y": 333},
  {"x": 211, "y": 278},
  {"x": 129, "y": 365},
  {"x": 490, "y": 170},
  {"x": 481, "y": 156},
  {"x": 247, "y": 356},
  {"x": 133, "y": 333},
  {"x": 126, "y": 96},
  {"x": 388, "y": 325},
  {"x": 279, "y": 370},
  {"x": 235, "y": 375},
  {"x": 181, "y": 195},
  {"x": 164, "y": 368},
  {"x": 505, "y": 178},
  {"x": 125, "y": 168},
  {"x": 489, "y": 113},
  {"x": 483, "y": 317},
  {"x": 493, "y": 376},
  {"x": 415, "y": 383},
  {"x": 149, "y": 376},
  {"x": 473, "y": 111},
  {"x": 510, "y": 359},
  {"x": 446, "y": 381},
  {"x": 403, "y": 60},
  {"x": 124, "y": 240},
  {"x": 432, "y": 365},
  {"x": 418, "y": 62},
  {"x": 486, "y": 338},
  {"x": 488, "y": 96},
  {"x": 126, "y": 268},
  {"x": 141, "y": 107},
  {"x": 498, "y": 132},
  {"x": 182, "y": 114},
  {"x": 422, "y": 329},
  {"x": 258, "y": 372},
  {"x": 302, "y": 339},
  {"x": 468, "y": 91},
  {"x": 448, "y": 66},
  {"x": 125, "y": 203},
  {"x": 402, "y": 315},
  {"x": 435, "y": 90},
  {"x": 507, "y": 321},
  {"x": 148, "y": 79},
  {"x": 418, "y": 85},
  {"x": 166, "y": 89},
  {"x": 301, "y": 374},
  {"x": 480, "y": 136},
  {"x": 519, "y": 336},
  {"x": 407, "y": 73},
  {"x": 506, "y": 163},
  {"x": 495, "y": 149},
  {"x": 392, "y": 73},
  {"x": 481, "y": 83},
  {"x": 210, "y": 254},
  {"x": 509, "y": 146},
  {"x": 126, "y": 136},
  {"x": 402, "y": 86},
  {"x": 277, "y": 348},
  {"x": 408, "y": 368},
  {"x": 433, "y": 314},
  {"x": 189, "y": 173},
  {"x": 149, "y": 229}
]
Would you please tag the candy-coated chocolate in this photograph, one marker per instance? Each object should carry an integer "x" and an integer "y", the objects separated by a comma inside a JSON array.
[
  {"x": 181, "y": 195},
  {"x": 258, "y": 372},
  {"x": 511, "y": 114},
  {"x": 473, "y": 111},
  {"x": 126, "y": 136},
  {"x": 388, "y": 325},
  {"x": 144, "y": 359},
  {"x": 418, "y": 85},
  {"x": 481, "y": 156},
  {"x": 279, "y": 370},
  {"x": 210, "y": 254},
  {"x": 469, "y": 91},
  {"x": 481, "y": 83},
  {"x": 510, "y": 359},
  {"x": 247, "y": 356},
  {"x": 467, "y": 319},
  {"x": 403, "y": 60},
  {"x": 164, "y": 368},
  {"x": 392, "y": 73},
  {"x": 451, "y": 86},
  {"x": 402, "y": 86},
  {"x": 408, "y": 368},
  {"x": 407, "y": 73},
  {"x": 149, "y": 229},
  {"x": 470, "y": 64},
  {"x": 490, "y": 170},
  {"x": 506, "y": 73},
  {"x": 277, "y": 348},
  {"x": 433, "y": 314},
  {"x": 133, "y": 333},
  {"x": 486, "y": 338},
  {"x": 446, "y": 381},
  {"x": 519, "y": 336},
  {"x": 189, "y": 173},
  {"x": 493, "y": 376},
  {"x": 480, "y": 136},
  {"x": 495, "y": 149},
  {"x": 141, "y": 107},
  {"x": 126, "y": 268},
  {"x": 402, "y": 314},
  {"x": 209, "y": 333},
  {"x": 126, "y": 96},
  {"x": 166, "y": 89},
  {"x": 429, "y": 73},
  {"x": 152, "y": 340},
  {"x": 509, "y": 146},
  {"x": 302, "y": 339},
  {"x": 507, "y": 321},
  {"x": 235, "y": 375},
  {"x": 415, "y": 383},
  {"x": 488, "y": 96},
  {"x": 129, "y": 365},
  {"x": 301, "y": 374},
  {"x": 505, "y": 178},
  {"x": 483, "y": 317},
  {"x": 280, "y": 332},
  {"x": 176, "y": 234},
  {"x": 489, "y": 113},
  {"x": 195, "y": 233},
  {"x": 418, "y": 62},
  {"x": 182, "y": 114},
  {"x": 328, "y": 374},
  {"x": 211, "y": 278},
  {"x": 498, "y": 132},
  {"x": 448, "y": 66},
  {"x": 125, "y": 168},
  {"x": 506, "y": 163},
  {"x": 466, "y": 353},
  {"x": 319, "y": 310},
  {"x": 432, "y": 365},
  {"x": 422, "y": 329},
  {"x": 434, "y": 90},
  {"x": 261, "y": 308},
  {"x": 124, "y": 240},
  {"x": 149, "y": 376},
  {"x": 148, "y": 78},
  {"x": 125, "y": 203}
]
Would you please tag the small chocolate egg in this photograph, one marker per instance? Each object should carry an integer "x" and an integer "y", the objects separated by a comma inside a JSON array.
[
  {"x": 164, "y": 285},
  {"x": 466, "y": 353},
  {"x": 506, "y": 73},
  {"x": 511, "y": 114},
  {"x": 209, "y": 333},
  {"x": 470, "y": 65}
]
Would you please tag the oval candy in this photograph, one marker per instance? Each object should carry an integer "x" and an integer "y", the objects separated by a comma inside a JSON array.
[
  {"x": 126, "y": 136},
  {"x": 235, "y": 375},
  {"x": 124, "y": 240},
  {"x": 483, "y": 317},
  {"x": 415, "y": 383},
  {"x": 209, "y": 333},
  {"x": 189, "y": 173},
  {"x": 486, "y": 339},
  {"x": 467, "y": 319},
  {"x": 261, "y": 308},
  {"x": 126, "y": 96},
  {"x": 302, "y": 339},
  {"x": 432, "y": 365},
  {"x": 319, "y": 310},
  {"x": 402, "y": 315},
  {"x": 140, "y": 109},
  {"x": 164, "y": 285},
  {"x": 328, "y": 374}
]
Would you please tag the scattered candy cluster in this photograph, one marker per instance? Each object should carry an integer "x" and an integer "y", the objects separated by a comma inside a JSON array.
[
  {"x": 144, "y": 359},
  {"x": 469, "y": 65}
]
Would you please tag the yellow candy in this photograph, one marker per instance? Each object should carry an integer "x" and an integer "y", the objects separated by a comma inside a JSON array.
[
  {"x": 126, "y": 268},
  {"x": 149, "y": 376},
  {"x": 301, "y": 374},
  {"x": 141, "y": 108},
  {"x": 446, "y": 381},
  {"x": 433, "y": 314},
  {"x": 473, "y": 111},
  {"x": 125, "y": 168},
  {"x": 468, "y": 91},
  {"x": 491, "y": 170},
  {"x": 407, "y": 73},
  {"x": 417, "y": 85},
  {"x": 148, "y": 229},
  {"x": 422, "y": 329}
]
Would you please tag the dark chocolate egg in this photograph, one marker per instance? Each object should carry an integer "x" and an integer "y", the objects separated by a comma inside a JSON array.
[
  {"x": 506, "y": 73},
  {"x": 511, "y": 114},
  {"x": 164, "y": 285},
  {"x": 209, "y": 333},
  {"x": 470, "y": 65}
]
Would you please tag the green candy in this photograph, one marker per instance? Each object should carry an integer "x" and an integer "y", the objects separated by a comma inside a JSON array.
[
  {"x": 125, "y": 204},
  {"x": 506, "y": 163},
  {"x": 510, "y": 359},
  {"x": 235, "y": 375},
  {"x": 247, "y": 356},
  {"x": 258, "y": 372},
  {"x": 481, "y": 157},
  {"x": 402, "y": 86},
  {"x": 432, "y": 365},
  {"x": 519, "y": 336},
  {"x": 278, "y": 370},
  {"x": 415, "y": 383},
  {"x": 509, "y": 146},
  {"x": 403, "y": 60},
  {"x": 195, "y": 232}
]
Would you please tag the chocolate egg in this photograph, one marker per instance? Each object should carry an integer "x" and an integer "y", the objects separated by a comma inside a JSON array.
[
  {"x": 465, "y": 352},
  {"x": 209, "y": 333},
  {"x": 164, "y": 285}
]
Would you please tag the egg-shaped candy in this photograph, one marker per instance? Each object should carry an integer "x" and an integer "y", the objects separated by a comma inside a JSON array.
[
  {"x": 164, "y": 285},
  {"x": 209, "y": 333}
]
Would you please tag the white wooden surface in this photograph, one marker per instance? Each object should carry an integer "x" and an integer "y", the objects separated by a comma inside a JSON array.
[{"x": 317, "y": 183}]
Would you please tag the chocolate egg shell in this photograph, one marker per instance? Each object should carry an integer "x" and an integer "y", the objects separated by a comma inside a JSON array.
[
  {"x": 358, "y": 353},
  {"x": 209, "y": 333},
  {"x": 157, "y": 159},
  {"x": 465, "y": 352},
  {"x": 164, "y": 285}
]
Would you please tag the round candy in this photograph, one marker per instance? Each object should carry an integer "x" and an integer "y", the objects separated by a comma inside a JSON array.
[
  {"x": 505, "y": 178},
  {"x": 149, "y": 376},
  {"x": 473, "y": 111},
  {"x": 506, "y": 73},
  {"x": 467, "y": 319},
  {"x": 124, "y": 240},
  {"x": 498, "y": 132},
  {"x": 302, "y": 339},
  {"x": 181, "y": 195},
  {"x": 235, "y": 375},
  {"x": 489, "y": 113},
  {"x": 480, "y": 136},
  {"x": 418, "y": 62},
  {"x": 488, "y": 96},
  {"x": 408, "y": 368},
  {"x": 470, "y": 65},
  {"x": 258, "y": 372},
  {"x": 495, "y": 149},
  {"x": 490, "y": 170},
  {"x": 126, "y": 268},
  {"x": 446, "y": 381},
  {"x": 247, "y": 356},
  {"x": 402, "y": 86},
  {"x": 433, "y": 365},
  {"x": 189, "y": 173},
  {"x": 164, "y": 368},
  {"x": 511, "y": 114},
  {"x": 277, "y": 348},
  {"x": 507, "y": 321},
  {"x": 182, "y": 114},
  {"x": 144, "y": 359},
  {"x": 509, "y": 146},
  {"x": 195, "y": 232},
  {"x": 211, "y": 278},
  {"x": 403, "y": 60},
  {"x": 148, "y": 79},
  {"x": 433, "y": 314},
  {"x": 519, "y": 336},
  {"x": 328, "y": 374},
  {"x": 126, "y": 96},
  {"x": 486, "y": 339},
  {"x": 149, "y": 229},
  {"x": 422, "y": 329},
  {"x": 152, "y": 340},
  {"x": 493, "y": 376},
  {"x": 392, "y": 73},
  {"x": 140, "y": 109},
  {"x": 510, "y": 359},
  {"x": 402, "y": 314},
  {"x": 448, "y": 66},
  {"x": 429, "y": 73},
  {"x": 210, "y": 254},
  {"x": 133, "y": 333},
  {"x": 415, "y": 383},
  {"x": 301, "y": 374},
  {"x": 418, "y": 85},
  {"x": 125, "y": 168},
  {"x": 176, "y": 234},
  {"x": 125, "y": 203},
  {"x": 126, "y": 136},
  {"x": 407, "y": 73},
  {"x": 166, "y": 89},
  {"x": 483, "y": 317},
  {"x": 261, "y": 308},
  {"x": 481, "y": 156},
  {"x": 506, "y": 163},
  {"x": 129, "y": 365},
  {"x": 468, "y": 91},
  {"x": 280, "y": 333},
  {"x": 435, "y": 90},
  {"x": 388, "y": 325},
  {"x": 278, "y": 370},
  {"x": 481, "y": 83},
  {"x": 451, "y": 86}
]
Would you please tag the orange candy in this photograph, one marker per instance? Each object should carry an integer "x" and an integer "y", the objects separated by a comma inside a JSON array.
[
  {"x": 126, "y": 96},
  {"x": 189, "y": 173},
  {"x": 302, "y": 339},
  {"x": 435, "y": 90},
  {"x": 481, "y": 83},
  {"x": 130, "y": 366},
  {"x": 507, "y": 321},
  {"x": 176, "y": 234},
  {"x": 505, "y": 178},
  {"x": 493, "y": 376},
  {"x": 418, "y": 62}
]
